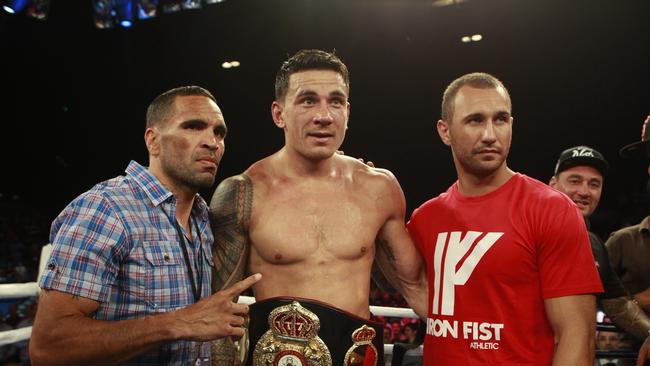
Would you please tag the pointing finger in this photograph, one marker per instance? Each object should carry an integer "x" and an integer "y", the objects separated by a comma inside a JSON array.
[{"x": 242, "y": 285}]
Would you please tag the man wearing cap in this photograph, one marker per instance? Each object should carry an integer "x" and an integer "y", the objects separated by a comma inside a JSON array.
[
  {"x": 579, "y": 174},
  {"x": 629, "y": 248}
]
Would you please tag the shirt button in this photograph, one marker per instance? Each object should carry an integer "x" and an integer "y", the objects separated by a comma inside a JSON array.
[{"x": 51, "y": 266}]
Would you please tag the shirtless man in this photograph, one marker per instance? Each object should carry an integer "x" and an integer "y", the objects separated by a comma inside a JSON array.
[{"x": 310, "y": 220}]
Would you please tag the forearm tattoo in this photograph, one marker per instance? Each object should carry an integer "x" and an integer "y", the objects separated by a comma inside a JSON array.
[{"x": 230, "y": 212}]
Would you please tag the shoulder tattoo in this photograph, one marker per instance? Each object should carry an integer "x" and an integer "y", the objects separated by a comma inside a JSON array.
[{"x": 230, "y": 213}]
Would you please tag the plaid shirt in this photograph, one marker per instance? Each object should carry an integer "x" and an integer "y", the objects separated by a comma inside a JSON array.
[{"x": 116, "y": 244}]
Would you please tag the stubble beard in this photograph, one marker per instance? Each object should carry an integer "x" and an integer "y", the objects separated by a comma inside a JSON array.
[
  {"x": 185, "y": 176},
  {"x": 478, "y": 168}
]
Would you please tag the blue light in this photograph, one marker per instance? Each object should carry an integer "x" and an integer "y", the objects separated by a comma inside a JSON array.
[
  {"x": 15, "y": 6},
  {"x": 123, "y": 12}
]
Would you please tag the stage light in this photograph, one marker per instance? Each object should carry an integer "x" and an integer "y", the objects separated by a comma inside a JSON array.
[
  {"x": 103, "y": 14},
  {"x": 191, "y": 4},
  {"x": 109, "y": 13},
  {"x": 472, "y": 38},
  {"x": 230, "y": 64},
  {"x": 171, "y": 6},
  {"x": 147, "y": 9},
  {"x": 443, "y": 3},
  {"x": 123, "y": 11},
  {"x": 15, "y": 6}
]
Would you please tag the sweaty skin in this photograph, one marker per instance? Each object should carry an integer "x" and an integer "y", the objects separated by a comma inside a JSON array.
[
  {"x": 313, "y": 221},
  {"x": 312, "y": 238}
]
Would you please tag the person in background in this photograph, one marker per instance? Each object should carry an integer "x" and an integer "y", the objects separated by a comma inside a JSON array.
[
  {"x": 629, "y": 247},
  {"x": 580, "y": 173}
]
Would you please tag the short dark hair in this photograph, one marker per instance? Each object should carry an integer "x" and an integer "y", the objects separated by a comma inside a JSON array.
[
  {"x": 308, "y": 60},
  {"x": 158, "y": 109},
  {"x": 414, "y": 327},
  {"x": 479, "y": 80}
]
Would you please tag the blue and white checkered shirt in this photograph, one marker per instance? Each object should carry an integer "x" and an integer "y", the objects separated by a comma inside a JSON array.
[{"x": 116, "y": 244}]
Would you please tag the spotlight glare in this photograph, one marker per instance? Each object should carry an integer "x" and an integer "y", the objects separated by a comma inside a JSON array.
[
  {"x": 234, "y": 63},
  {"x": 103, "y": 14},
  {"x": 191, "y": 4},
  {"x": 147, "y": 9},
  {"x": 123, "y": 12},
  {"x": 477, "y": 37},
  {"x": 465, "y": 39},
  {"x": 226, "y": 65},
  {"x": 171, "y": 6},
  {"x": 8, "y": 9}
]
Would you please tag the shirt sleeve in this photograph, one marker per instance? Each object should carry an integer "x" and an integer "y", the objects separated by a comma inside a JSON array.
[
  {"x": 566, "y": 263},
  {"x": 413, "y": 228},
  {"x": 88, "y": 246}
]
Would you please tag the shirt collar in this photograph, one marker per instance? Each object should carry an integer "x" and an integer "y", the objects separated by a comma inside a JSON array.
[
  {"x": 158, "y": 193},
  {"x": 152, "y": 187}
]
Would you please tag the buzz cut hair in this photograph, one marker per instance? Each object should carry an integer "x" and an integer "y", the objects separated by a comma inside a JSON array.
[
  {"x": 479, "y": 80},
  {"x": 159, "y": 109},
  {"x": 308, "y": 60}
]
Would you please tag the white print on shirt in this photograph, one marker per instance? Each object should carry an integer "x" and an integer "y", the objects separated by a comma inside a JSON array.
[
  {"x": 468, "y": 330},
  {"x": 485, "y": 336},
  {"x": 444, "y": 288}
]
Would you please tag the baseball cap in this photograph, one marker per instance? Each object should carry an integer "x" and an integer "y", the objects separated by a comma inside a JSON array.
[
  {"x": 638, "y": 148},
  {"x": 581, "y": 155}
]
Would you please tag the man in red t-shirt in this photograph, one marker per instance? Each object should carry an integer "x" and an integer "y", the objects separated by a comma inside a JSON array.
[{"x": 511, "y": 274}]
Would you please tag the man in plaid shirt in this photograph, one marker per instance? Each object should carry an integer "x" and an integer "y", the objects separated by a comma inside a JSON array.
[{"x": 129, "y": 278}]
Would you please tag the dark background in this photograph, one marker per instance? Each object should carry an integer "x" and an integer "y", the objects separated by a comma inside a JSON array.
[{"x": 75, "y": 96}]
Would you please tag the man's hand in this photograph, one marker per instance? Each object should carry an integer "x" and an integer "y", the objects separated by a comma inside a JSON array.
[
  {"x": 368, "y": 163},
  {"x": 216, "y": 316}
]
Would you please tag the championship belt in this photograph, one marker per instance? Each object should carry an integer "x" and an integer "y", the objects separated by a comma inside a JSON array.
[{"x": 288, "y": 331}]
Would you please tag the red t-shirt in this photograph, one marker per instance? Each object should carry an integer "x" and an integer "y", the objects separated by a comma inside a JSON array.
[{"x": 491, "y": 262}]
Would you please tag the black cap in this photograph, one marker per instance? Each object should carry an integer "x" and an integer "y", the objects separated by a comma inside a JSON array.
[
  {"x": 639, "y": 148},
  {"x": 581, "y": 155}
]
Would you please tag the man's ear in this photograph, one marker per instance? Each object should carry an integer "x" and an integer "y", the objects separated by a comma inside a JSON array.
[
  {"x": 276, "y": 113},
  {"x": 553, "y": 182},
  {"x": 347, "y": 123},
  {"x": 443, "y": 132},
  {"x": 152, "y": 140}
]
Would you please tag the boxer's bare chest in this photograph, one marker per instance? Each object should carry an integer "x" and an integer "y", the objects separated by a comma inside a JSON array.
[{"x": 321, "y": 221}]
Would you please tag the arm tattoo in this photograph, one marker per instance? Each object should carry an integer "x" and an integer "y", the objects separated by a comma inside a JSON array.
[
  {"x": 230, "y": 213},
  {"x": 385, "y": 247},
  {"x": 384, "y": 267}
]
